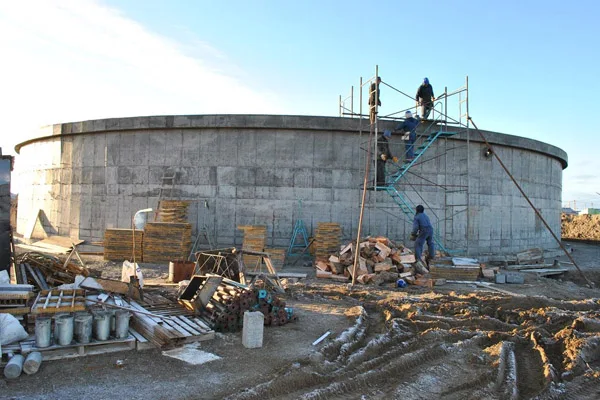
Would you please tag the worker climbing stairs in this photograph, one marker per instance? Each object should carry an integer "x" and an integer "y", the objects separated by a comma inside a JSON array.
[{"x": 432, "y": 133}]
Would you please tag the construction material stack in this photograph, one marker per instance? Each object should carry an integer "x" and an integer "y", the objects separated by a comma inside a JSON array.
[
  {"x": 328, "y": 238},
  {"x": 277, "y": 257},
  {"x": 174, "y": 211},
  {"x": 254, "y": 239},
  {"x": 166, "y": 241},
  {"x": 118, "y": 244},
  {"x": 225, "y": 310}
]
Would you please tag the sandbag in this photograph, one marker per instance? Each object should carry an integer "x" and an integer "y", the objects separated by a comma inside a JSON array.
[{"x": 11, "y": 330}]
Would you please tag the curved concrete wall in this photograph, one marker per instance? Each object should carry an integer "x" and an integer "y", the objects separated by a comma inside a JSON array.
[{"x": 251, "y": 169}]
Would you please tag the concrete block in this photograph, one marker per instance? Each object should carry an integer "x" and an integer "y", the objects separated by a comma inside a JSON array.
[
  {"x": 253, "y": 329},
  {"x": 500, "y": 278},
  {"x": 515, "y": 277}
]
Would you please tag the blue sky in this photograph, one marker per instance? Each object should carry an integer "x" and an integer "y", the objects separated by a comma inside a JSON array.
[{"x": 532, "y": 65}]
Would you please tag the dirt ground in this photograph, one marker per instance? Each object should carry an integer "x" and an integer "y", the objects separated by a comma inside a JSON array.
[{"x": 539, "y": 341}]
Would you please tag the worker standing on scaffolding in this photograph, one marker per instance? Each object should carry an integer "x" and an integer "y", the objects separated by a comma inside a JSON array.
[
  {"x": 422, "y": 231},
  {"x": 374, "y": 99},
  {"x": 425, "y": 98},
  {"x": 383, "y": 155},
  {"x": 409, "y": 128}
]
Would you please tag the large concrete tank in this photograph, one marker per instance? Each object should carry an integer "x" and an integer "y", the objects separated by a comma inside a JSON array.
[{"x": 251, "y": 169}]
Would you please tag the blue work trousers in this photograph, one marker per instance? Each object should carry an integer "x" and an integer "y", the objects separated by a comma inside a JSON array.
[
  {"x": 425, "y": 235},
  {"x": 410, "y": 146}
]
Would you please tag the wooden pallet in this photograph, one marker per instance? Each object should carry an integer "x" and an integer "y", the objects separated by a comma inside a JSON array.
[
  {"x": 178, "y": 324},
  {"x": 56, "y": 300},
  {"x": 57, "y": 352}
]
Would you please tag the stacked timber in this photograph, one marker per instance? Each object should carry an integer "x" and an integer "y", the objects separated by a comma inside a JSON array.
[
  {"x": 225, "y": 311},
  {"x": 254, "y": 239},
  {"x": 168, "y": 324},
  {"x": 380, "y": 260},
  {"x": 173, "y": 211},
  {"x": 165, "y": 241},
  {"x": 328, "y": 237},
  {"x": 277, "y": 257},
  {"x": 459, "y": 269},
  {"x": 118, "y": 244}
]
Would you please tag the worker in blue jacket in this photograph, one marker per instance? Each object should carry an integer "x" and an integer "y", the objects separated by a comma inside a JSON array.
[
  {"x": 422, "y": 231},
  {"x": 409, "y": 125}
]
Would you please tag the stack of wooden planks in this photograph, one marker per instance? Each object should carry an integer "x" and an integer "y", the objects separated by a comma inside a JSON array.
[
  {"x": 458, "y": 273},
  {"x": 118, "y": 244},
  {"x": 255, "y": 237},
  {"x": 173, "y": 324},
  {"x": 175, "y": 211},
  {"x": 165, "y": 241},
  {"x": 277, "y": 257},
  {"x": 14, "y": 298},
  {"x": 328, "y": 237}
]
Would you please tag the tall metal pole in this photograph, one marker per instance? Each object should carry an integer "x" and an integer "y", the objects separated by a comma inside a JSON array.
[
  {"x": 352, "y": 101},
  {"x": 537, "y": 212},
  {"x": 468, "y": 169}
]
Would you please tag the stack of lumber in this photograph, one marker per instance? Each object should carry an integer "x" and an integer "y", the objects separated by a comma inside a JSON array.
[
  {"x": 328, "y": 237},
  {"x": 44, "y": 270},
  {"x": 118, "y": 244},
  {"x": 165, "y": 241},
  {"x": 255, "y": 237},
  {"x": 380, "y": 260},
  {"x": 225, "y": 310},
  {"x": 169, "y": 323},
  {"x": 277, "y": 257},
  {"x": 459, "y": 269},
  {"x": 173, "y": 211},
  {"x": 14, "y": 298}
]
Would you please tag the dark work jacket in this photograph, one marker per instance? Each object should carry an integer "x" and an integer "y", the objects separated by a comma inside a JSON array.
[
  {"x": 425, "y": 92},
  {"x": 409, "y": 125},
  {"x": 421, "y": 224},
  {"x": 383, "y": 147},
  {"x": 374, "y": 89}
]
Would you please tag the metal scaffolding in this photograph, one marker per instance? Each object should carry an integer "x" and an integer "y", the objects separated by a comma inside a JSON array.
[{"x": 450, "y": 116}]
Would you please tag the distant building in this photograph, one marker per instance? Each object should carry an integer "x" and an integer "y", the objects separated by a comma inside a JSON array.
[
  {"x": 591, "y": 211},
  {"x": 569, "y": 211}
]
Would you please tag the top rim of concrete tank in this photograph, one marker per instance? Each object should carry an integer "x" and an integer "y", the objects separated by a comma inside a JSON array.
[{"x": 264, "y": 121}]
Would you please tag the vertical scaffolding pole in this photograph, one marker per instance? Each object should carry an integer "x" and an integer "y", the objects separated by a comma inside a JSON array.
[{"x": 468, "y": 168}]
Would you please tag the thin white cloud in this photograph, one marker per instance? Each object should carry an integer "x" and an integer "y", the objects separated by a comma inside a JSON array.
[{"x": 76, "y": 60}]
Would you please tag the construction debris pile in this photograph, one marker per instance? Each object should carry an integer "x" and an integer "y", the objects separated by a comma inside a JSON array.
[
  {"x": 381, "y": 260},
  {"x": 585, "y": 227},
  {"x": 44, "y": 271}
]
